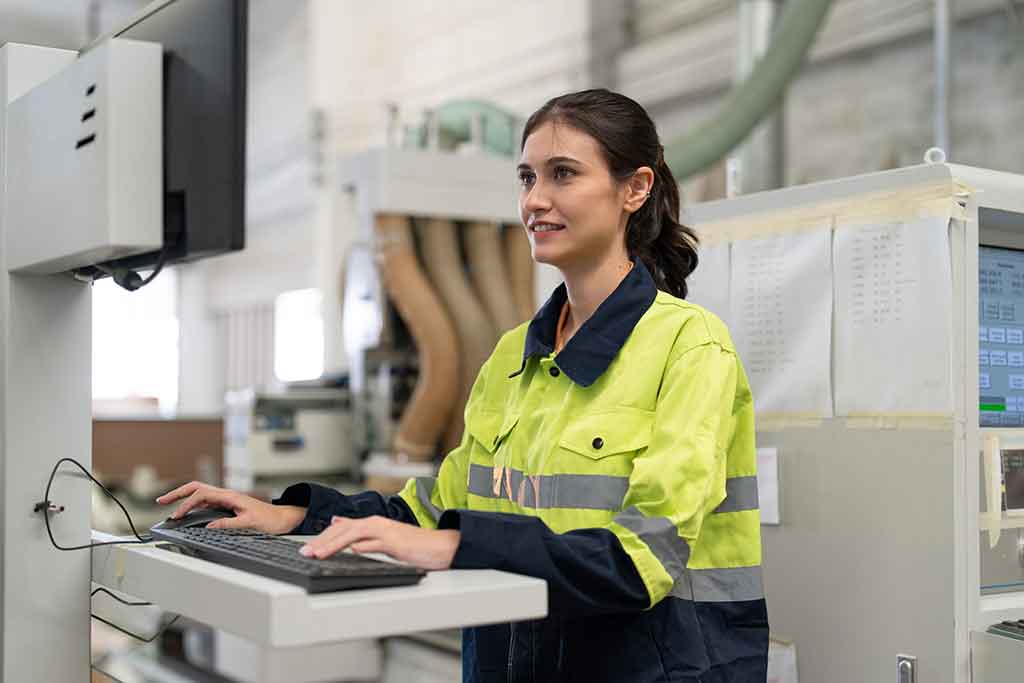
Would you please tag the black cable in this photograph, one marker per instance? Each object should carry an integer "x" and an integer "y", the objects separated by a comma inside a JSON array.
[
  {"x": 114, "y": 626},
  {"x": 131, "y": 280},
  {"x": 127, "y": 278},
  {"x": 46, "y": 514},
  {"x": 156, "y": 271},
  {"x": 119, "y": 599},
  {"x": 153, "y": 637},
  {"x": 130, "y": 604}
]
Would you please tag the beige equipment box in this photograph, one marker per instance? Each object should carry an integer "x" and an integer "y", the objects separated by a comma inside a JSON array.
[{"x": 296, "y": 432}]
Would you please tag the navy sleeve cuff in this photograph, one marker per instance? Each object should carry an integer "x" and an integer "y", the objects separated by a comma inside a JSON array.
[
  {"x": 587, "y": 570},
  {"x": 322, "y": 503}
]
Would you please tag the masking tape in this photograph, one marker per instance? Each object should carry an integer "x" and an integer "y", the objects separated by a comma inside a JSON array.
[
  {"x": 779, "y": 422},
  {"x": 995, "y": 521},
  {"x": 944, "y": 200},
  {"x": 993, "y": 497},
  {"x": 925, "y": 422}
]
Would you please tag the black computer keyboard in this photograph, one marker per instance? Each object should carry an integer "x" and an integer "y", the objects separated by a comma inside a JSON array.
[{"x": 279, "y": 558}]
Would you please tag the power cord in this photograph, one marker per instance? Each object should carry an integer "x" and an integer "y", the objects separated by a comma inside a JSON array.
[
  {"x": 144, "y": 639},
  {"x": 126, "y": 278},
  {"x": 95, "y": 666},
  {"x": 131, "y": 280},
  {"x": 46, "y": 507}
]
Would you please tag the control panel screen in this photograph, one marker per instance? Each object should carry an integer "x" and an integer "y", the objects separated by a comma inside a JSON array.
[
  {"x": 1013, "y": 480},
  {"x": 1001, "y": 336}
]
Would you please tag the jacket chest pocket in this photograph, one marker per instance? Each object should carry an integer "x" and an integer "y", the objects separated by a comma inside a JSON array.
[
  {"x": 601, "y": 435},
  {"x": 491, "y": 429}
]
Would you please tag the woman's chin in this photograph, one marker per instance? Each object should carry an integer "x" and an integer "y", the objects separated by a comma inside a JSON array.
[{"x": 549, "y": 257}]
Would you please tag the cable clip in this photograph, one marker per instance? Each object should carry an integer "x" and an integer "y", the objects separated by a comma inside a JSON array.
[{"x": 47, "y": 506}]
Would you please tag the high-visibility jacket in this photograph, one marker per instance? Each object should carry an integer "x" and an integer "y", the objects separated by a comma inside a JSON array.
[{"x": 620, "y": 470}]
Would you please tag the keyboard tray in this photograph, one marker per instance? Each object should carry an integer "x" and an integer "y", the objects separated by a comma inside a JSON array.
[{"x": 279, "y": 558}]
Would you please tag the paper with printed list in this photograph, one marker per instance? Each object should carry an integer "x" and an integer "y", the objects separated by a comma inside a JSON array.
[
  {"x": 781, "y": 307},
  {"x": 893, "y": 318},
  {"x": 708, "y": 285}
]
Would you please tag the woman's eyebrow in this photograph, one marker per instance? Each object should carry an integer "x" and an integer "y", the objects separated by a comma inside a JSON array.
[
  {"x": 561, "y": 160},
  {"x": 551, "y": 162}
]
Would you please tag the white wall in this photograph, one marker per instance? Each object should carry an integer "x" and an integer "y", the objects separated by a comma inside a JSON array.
[{"x": 863, "y": 102}]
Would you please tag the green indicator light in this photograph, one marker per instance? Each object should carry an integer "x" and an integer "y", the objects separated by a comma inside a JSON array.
[{"x": 994, "y": 407}]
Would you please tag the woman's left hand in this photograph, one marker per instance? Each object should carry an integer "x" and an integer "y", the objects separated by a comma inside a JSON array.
[{"x": 423, "y": 548}]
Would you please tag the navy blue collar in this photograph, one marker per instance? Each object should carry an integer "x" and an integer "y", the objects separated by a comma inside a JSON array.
[{"x": 594, "y": 346}]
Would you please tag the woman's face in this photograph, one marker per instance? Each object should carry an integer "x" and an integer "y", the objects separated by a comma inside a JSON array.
[{"x": 573, "y": 210}]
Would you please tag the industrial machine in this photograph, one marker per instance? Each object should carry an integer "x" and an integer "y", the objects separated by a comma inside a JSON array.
[
  {"x": 881, "y": 321},
  {"x": 295, "y": 432},
  {"x": 432, "y": 282}
]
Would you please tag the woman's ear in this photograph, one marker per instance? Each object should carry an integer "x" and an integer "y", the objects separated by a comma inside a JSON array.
[{"x": 638, "y": 189}]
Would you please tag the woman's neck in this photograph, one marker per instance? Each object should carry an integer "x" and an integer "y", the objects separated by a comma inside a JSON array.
[{"x": 588, "y": 287}]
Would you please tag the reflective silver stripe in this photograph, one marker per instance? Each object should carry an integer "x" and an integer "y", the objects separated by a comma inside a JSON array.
[
  {"x": 581, "y": 491},
  {"x": 661, "y": 536},
  {"x": 730, "y": 584},
  {"x": 424, "y": 489},
  {"x": 740, "y": 494}
]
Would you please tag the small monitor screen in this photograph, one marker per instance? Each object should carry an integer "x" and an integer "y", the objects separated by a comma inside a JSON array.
[
  {"x": 1001, "y": 336},
  {"x": 1013, "y": 480}
]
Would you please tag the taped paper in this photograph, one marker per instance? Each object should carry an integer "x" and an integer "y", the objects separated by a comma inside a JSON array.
[
  {"x": 892, "y": 339},
  {"x": 908, "y": 204},
  {"x": 708, "y": 285},
  {"x": 781, "y": 306}
]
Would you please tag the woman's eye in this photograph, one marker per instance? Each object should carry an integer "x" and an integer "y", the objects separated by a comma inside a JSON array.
[
  {"x": 563, "y": 172},
  {"x": 525, "y": 178}
]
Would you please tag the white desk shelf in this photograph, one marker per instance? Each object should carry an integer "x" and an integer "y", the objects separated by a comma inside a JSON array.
[{"x": 279, "y": 614}]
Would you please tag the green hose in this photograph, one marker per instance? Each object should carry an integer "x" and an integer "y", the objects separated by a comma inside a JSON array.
[
  {"x": 709, "y": 142},
  {"x": 756, "y": 96}
]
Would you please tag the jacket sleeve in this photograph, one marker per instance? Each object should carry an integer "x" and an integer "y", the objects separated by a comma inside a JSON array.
[
  {"x": 634, "y": 561},
  {"x": 322, "y": 503},
  {"x": 420, "y": 502},
  {"x": 428, "y": 497},
  {"x": 681, "y": 478}
]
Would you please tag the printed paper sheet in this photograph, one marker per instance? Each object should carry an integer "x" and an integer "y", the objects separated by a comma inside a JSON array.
[
  {"x": 893, "y": 318},
  {"x": 708, "y": 285},
  {"x": 781, "y": 315}
]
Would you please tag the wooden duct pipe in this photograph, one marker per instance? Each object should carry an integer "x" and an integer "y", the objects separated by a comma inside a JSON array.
[
  {"x": 520, "y": 271},
  {"x": 437, "y": 387},
  {"x": 439, "y": 249},
  {"x": 489, "y": 274}
]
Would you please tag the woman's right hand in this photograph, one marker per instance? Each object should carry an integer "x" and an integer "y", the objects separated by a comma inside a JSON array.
[{"x": 250, "y": 513}]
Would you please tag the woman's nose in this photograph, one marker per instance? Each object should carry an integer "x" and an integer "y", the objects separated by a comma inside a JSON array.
[{"x": 536, "y": 199}]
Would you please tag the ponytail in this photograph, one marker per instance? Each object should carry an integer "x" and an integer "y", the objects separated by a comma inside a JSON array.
[
  {"x": 655, "y": 236},
  {"x": 629, "y": 140}
]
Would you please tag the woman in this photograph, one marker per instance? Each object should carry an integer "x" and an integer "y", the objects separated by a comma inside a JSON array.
[{"x": 609, "y": 445}]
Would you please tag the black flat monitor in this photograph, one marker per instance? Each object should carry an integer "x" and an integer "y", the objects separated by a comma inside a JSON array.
[
  {"x": 204, "y": 93},
  {"x": 1001, "y": 336}
]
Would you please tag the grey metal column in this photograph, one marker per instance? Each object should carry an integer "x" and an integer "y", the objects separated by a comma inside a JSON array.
[
  {"x": 761, "y": 157},
  {"x": 943, "y": 74},
  {"x": 45, "y": 414}
]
